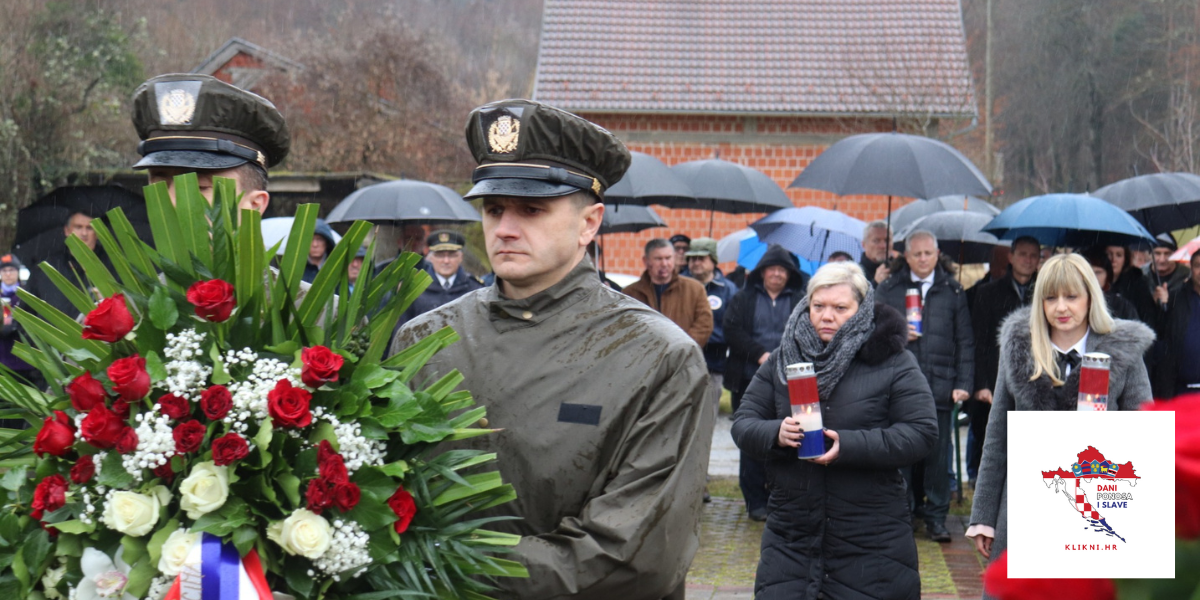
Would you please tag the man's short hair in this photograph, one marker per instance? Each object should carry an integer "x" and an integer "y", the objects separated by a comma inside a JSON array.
[
  {"x": 840, "y": 254},
  {"x": 920, "y": 234},
  {"x": 1027, "y": 239},
  {"x": 67, "y": 222},
  {"x": 655, "y": 244},
  {"x": 879, "y": 224},
  {"x": 252, "y": 176}
]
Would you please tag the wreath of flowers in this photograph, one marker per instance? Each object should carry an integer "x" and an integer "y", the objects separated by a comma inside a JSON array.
[{"x": 208, "y": 395}]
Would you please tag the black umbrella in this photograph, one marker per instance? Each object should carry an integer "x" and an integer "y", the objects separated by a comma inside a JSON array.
[
  {"x": 405, "y": 201},
  {"x": 723, "y": 186},
  {"x": 905, "y": 215},
  {"x": 629, "y": 219},
  {"x": 893, "y": 164},
  {"x": 649, "y": 181},
  {"x": 958, "y": 234},
  {"x": 1161, "y": 202},
  {"x": 40, "y": 225}
]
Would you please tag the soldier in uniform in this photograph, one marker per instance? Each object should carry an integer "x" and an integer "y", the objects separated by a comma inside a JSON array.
[
  {"x": 598, "y": 401},
  {"x": 450, "y": 280},
  {"x": 191, "y": 123}
]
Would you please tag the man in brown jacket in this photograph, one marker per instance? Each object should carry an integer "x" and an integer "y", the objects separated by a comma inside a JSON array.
[{"x": 681, "y": 299}]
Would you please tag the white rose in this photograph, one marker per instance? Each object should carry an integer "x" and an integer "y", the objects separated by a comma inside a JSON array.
[
  {"x": 204, "y": 490},
  {"x": 175, "y": 552},
  {"x": 132, "y": 513},
  {"x": 304, "y": 533}
]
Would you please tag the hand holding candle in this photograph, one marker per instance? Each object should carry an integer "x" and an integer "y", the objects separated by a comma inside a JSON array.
[{"x": 806, "y": 409}]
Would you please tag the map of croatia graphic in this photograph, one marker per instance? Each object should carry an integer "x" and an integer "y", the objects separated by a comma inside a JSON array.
[{"x": 1092, "y": 470}]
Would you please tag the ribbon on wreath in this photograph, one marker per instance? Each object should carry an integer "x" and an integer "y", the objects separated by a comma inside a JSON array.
[{"x": 215, "y": 571}]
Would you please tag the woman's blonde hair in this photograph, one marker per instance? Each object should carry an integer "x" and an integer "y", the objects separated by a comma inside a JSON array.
[
  {"x": 837, "y": 273},
  {"x": 1063, "y": 274}
]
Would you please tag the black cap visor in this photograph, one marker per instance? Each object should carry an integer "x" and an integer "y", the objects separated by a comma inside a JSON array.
[
  {"x": 521, "y": 188},
  {"x": 190, "y": 159}
]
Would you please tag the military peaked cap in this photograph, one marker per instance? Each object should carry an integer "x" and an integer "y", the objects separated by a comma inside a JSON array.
[
  {"x": 445, "y": 240},
  {"x": 186, "y": 120},
  {"x": 529, "y": 149}
]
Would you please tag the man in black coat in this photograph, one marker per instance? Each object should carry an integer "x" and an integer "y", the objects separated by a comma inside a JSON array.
[
  {"x": 945, "y": 349},
  {"x": 994, "y": 301},
  {"x": 753, "y": 326},
  {"x": 40, "y": 284},
  {"x": 876, "y": 241},
  {"x": 450, "y": 281},
  {"x": 1178, "y": 370}
]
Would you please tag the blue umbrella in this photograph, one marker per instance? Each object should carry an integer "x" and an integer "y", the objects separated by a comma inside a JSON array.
[
  {"x": 1075, "y": 220},
  {"x": 812, "y": 233}
]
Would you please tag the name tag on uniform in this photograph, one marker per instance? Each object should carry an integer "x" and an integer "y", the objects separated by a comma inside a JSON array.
[{"x": 584, "y": 414}]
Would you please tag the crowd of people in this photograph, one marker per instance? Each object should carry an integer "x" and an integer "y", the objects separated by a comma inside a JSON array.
[{"x": 603, "y": 401}]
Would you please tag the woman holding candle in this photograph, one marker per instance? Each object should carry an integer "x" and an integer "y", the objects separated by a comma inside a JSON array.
[
  {"x": 839, "y": 524},
  {"x": 1040, "y": 356}
]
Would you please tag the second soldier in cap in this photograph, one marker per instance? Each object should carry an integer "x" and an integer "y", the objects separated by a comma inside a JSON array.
[
  {"x": 450, "y": 280},
  {"x": 598, "y": 401}
]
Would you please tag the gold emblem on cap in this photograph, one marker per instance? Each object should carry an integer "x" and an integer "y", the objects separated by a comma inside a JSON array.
[
  {"x": 176, "y": 107},
  {"x": 444, "y": 237},
  {"x": 503, "y": 134}
]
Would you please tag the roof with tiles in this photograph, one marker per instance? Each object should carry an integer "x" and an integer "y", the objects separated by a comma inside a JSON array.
[{"x": 840, "y": 57}]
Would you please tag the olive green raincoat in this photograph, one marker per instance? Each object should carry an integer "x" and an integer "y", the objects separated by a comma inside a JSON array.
[{"x": 605, "y": 433}]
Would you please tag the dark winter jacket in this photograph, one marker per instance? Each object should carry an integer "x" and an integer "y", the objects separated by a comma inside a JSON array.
[
  {"x": 720, "y": 293},
  {"x": 8, "y": 337},
  {"x": 1132, "y": 286},
  {"x": 946, "y": 348},
  {"x": 1172, "y": 328},
  {"x": 435, "y": 295},
  {"x": 1128, "y": 387},
  {"x": 744, "y": 350},
  {"x": 843, "y": 531},
  {"x": 324, "y": 230},
  {"x": 993, "y": 302},
  {"x": 1120, "y": 308}
]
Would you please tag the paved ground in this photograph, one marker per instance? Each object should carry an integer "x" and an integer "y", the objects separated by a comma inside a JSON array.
[{"x": 724, "y": 566}]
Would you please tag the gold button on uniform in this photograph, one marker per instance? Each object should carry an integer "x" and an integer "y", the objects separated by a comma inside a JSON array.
[{"x": 527, "y": 315}]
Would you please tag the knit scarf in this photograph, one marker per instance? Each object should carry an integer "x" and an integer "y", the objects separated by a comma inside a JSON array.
[{"x": 801, "y": 344}]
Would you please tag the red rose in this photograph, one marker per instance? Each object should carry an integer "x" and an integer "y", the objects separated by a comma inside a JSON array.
[
  {"x": 57, "y": 435},
  {"x": 174, "y": 406},
  {"x": 85, "y": 392},
  {"x": 319, "y": 495},
  {"x": 228, "y": 448},
  {"x": 346, "y": 496},
  {"x": 216, "y": 402},
  {"x": 1187, "y": 462},
  {"x": 109, "y": 321},
  {"x": 188, "y": 436},
  {"x": 49, "y": 496},
  {"x": 129, "y": 377},
  {"x": 84, "y": 470},
  {"x": 998, "y": 585},
  {"x": 102, "y": 427},
  {"x": 405, "y": 508},
  {"x": 321, "y": 366},
  {"x": 288, "y": 405},
  {"x": 334, "y": 469},
  {"x": 128, "y": 441},
  {"x": 214, "y": 299},
  {"x": 121, "y": 409},
  {"x": 165, "y": 471}
]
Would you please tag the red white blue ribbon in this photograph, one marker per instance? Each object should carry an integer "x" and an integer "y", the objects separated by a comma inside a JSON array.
[{"x": 221, "y": 574}]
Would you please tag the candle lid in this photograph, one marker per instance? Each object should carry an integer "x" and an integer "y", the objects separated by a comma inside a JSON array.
[
  {"x": 1096, "y": 360},
  {"x": 799, "y": 370},
  {"x": 913, "y": 292}
]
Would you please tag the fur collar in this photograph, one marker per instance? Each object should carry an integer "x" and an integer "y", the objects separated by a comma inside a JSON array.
[
  {"x": 889, "y": 338},
  {"x": 1126, "y": 344}
]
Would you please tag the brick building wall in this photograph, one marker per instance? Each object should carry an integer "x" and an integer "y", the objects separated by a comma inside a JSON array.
[{"x": 781, "y": 147}]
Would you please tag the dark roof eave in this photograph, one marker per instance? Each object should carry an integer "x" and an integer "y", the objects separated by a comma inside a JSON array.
[{"x": 754, "y": 113}]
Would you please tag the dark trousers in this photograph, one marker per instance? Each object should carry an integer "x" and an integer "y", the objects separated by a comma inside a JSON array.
[
  {"x": 752, "y": 474},
  {"x": 928, "y": 485},
  {"x": 978, "y": 411}
]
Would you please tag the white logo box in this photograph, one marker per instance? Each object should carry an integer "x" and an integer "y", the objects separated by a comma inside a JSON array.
[{"x": 1049, "y": 538}]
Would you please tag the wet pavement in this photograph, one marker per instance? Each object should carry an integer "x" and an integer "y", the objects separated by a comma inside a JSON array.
[{"x": 724, "y": 566}]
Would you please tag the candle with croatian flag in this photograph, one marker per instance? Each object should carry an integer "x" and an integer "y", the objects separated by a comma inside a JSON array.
[
  {"x": 1093, "y": 381},
  {"x": 912, "y": 309},
  {"x": 806, "y": 409}
]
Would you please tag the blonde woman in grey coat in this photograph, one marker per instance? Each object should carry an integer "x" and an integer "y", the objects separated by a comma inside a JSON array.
[{"x": 1039, "y": 371}]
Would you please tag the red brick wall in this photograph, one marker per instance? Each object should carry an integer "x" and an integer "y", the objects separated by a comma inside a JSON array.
[
  {"x": 239, "y": 61},
  {"x": 782, "y": 161}
]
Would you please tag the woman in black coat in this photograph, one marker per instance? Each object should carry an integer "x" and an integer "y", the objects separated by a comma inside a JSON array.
[{"x": 839, "y": 524}]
